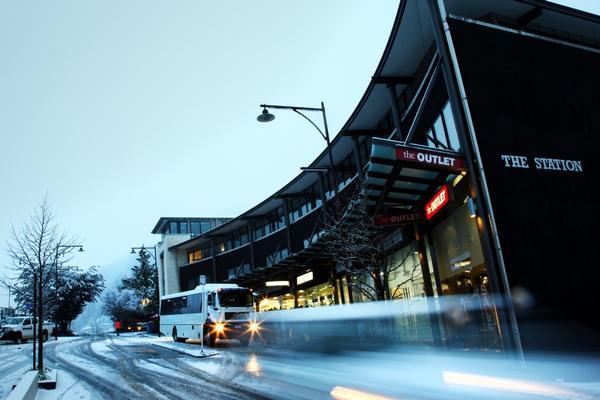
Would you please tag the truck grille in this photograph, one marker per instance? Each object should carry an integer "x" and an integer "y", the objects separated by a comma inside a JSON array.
[{"x": 236, "y": 316}]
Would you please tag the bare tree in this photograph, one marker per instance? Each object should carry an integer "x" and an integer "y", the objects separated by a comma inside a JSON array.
[
  {"x": 358, "y": 245},
  {"x": 34, "y": 250}
]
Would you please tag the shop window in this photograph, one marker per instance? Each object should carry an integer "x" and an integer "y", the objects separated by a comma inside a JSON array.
[
  {"x": 462, "y": 271},
  {"x": 316, "y": 296},
  {"x": 404, "y": 274}
]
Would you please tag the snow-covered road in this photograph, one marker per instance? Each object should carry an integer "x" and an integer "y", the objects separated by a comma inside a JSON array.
[
  {"x": 141, "y": 366},
  {"x": 14, "y": 359},
  {"x": 130, "y": 367}
]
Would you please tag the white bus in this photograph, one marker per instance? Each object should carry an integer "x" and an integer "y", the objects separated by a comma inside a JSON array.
[{"x": 227, "y": 314}]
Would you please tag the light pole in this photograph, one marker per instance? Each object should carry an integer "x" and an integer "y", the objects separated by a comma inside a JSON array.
[
  {"x": 266, "y": 116},
  {"x": 58, "y": 247}
]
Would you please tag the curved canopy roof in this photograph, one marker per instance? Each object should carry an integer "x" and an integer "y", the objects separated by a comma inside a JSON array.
[{"x": 410, "y": 39}]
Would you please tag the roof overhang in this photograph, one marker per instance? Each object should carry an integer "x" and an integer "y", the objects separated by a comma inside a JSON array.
[{"x": 403, "y": 177}]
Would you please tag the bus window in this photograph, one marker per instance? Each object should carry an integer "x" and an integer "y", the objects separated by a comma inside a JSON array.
[{"x": 211, "y": 299}]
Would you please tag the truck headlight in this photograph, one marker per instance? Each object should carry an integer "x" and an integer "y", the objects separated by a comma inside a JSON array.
[
  {"x": 253, "y": 327},
  {"x": 219, "y": 327}
]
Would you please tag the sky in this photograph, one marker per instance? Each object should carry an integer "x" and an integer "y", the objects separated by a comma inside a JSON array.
[{"x": 125, "y": 112}]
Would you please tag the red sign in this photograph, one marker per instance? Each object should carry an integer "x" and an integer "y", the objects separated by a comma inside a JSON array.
[
  {"x": 398, "y": 219},
  {"x": 437, "y": 202},
  {"x": 428, "y": 157}
]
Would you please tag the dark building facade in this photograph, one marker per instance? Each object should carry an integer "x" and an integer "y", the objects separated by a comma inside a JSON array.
[{"x": 474, "y": 146}]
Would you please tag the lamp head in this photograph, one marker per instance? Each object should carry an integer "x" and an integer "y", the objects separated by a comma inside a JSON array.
[
  {"x": 265, "y": 116},
  {"x": 80, "y": 249},
  {"x": 132, "y": 251}
]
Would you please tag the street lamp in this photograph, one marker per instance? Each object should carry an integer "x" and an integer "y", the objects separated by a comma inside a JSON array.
[
  {"x": 58, "y": 247},
  {"x": 266, "y": 116},
  {"x": 144, "y": 248}
]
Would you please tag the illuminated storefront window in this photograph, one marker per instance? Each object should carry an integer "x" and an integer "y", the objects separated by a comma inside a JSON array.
[
  {"x": 462, "y": 271},
  {"x": 405, "y": 274},
  {"x": 316, "y": 296},
  {"x": 279, "y": 302}
]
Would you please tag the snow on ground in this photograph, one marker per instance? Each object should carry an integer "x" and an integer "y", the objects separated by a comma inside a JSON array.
[
  {"x": 210, "y": 365},
  {"x": 67, "y": 388},
  {"x": 7, "y": 381},
  {"x": 71, "y": 353},
  {"x": 193, "y": 350},
  {"x": 102, "y": 349},
  {"x": 153, "y": 366}
]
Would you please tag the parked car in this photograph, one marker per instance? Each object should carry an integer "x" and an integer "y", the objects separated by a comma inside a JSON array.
[{"x": 22, "y": 328}]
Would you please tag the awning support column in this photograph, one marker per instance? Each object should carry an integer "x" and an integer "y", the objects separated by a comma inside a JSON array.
[
  {"x": 395, "y": 110},
  {"x": 508, "y": 330}
]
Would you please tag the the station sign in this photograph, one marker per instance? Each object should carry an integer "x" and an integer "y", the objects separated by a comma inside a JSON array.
[
  {"x": 398, "y": 219},
  {"x": 437, "y": 202},
  {"x": 430, "y": 157}
]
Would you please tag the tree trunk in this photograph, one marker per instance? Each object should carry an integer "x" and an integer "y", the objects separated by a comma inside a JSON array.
[
  {"x": 39, "y": 325},
  {"x": 33, "y": 315}
]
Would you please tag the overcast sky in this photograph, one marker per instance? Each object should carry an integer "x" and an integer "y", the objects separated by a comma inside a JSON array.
[{"x": 124, "y": 112}]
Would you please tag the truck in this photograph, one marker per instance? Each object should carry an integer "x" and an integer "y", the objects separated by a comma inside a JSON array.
[
  {"x": 211, "y": 311},
  {"x": 21, "y": 329}
]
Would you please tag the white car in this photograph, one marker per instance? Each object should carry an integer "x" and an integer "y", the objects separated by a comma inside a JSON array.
[{"x": 21, "y": 329}]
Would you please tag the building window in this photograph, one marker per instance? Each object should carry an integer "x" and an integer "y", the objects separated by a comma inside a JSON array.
[
  {"x": 450, "y": 128},
  {"x": 243, "y": 236},
  {"x": 205, "y": 226},
  {"x": 183, "y": 227},
  {"x": 195, "y": 228},
  {"x": 279, "y": 255},
  {"x": 194, "y": 255},
  {"x": 172, "y": 227},
  {"x": 258, "y": 230},
  {"x": 220, "y": 248}
]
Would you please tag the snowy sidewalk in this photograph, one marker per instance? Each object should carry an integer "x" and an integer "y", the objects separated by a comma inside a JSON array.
[{"x": 193, "y": 350}]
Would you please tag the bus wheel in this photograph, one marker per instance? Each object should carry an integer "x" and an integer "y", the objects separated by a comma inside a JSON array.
[{"x": 175, "y": 334}]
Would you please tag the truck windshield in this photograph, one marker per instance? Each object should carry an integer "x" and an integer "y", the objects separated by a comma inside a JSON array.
[
  {"x": 235, "y": 298},
  {"x": 13, "y": 321}
]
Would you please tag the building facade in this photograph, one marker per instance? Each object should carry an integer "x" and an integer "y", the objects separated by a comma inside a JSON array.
[
  {"x": 173, "y": 231},
  {"x": 474, "y": 149}
]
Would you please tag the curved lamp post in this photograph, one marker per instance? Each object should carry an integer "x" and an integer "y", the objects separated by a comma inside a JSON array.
[{"x": 266, "y": 116}]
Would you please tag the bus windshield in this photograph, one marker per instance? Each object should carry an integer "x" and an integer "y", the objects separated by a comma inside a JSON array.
[{"x": 235, "y": 298}]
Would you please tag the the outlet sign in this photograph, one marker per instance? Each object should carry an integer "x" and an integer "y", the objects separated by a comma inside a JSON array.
[
  {"x": 437, "y": 202},
  {"x": 430, "y": 157},
  {"x": 398, "y": 219}
]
